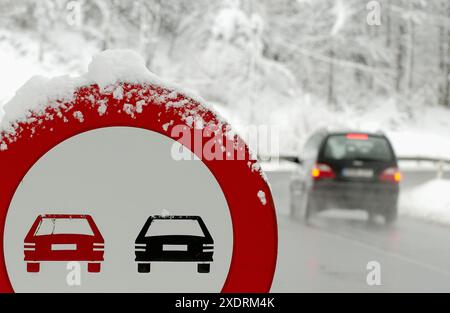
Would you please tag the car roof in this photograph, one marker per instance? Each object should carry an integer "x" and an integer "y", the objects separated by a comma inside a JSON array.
[
  {"x": 176, "y": 217},
  {"x": 65, "y": 216},
  {"x": 370, "y": 134},
  {"x": 351, "y": 131}
]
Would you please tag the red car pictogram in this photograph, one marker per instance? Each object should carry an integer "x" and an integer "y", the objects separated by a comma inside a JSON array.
[{"x": 61, "y": 237}]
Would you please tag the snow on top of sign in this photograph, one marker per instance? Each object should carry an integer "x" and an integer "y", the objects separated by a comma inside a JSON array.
[
  {"x": 113, "y": 66},
  {"x": 106, "y": 69},
  {"x": 109, "y": 70},
  {"x": 36, "y": 95}
]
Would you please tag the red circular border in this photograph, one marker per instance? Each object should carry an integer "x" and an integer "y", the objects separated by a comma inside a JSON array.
[{"x": 254, "y": 223}]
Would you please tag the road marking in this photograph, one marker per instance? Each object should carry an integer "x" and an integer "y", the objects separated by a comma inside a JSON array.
[{"x": 383, "y": 251}]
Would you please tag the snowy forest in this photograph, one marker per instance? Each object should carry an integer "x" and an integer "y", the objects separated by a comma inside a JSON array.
[{"x": 298, "y": 64}]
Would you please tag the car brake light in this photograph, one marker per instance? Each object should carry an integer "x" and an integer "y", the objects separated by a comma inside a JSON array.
[
  {"x": 392, "y": 175},
  {"x": 322, "y": 171},
  {"x": 208, "y": 247},
  {"x": 357, "y": 136},
  {"x": 29, "y": 246},
  {"x": 99, "y": 246},
  {"x": 140, "y": 247}
]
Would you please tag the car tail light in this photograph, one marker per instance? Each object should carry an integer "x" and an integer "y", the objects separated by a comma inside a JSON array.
[
  {"x": 392, "y": 175},
  {"x": 140, "y": 247},
  {"x": 99, "y": 246},
  {"x": 29, "y": 246},
  {"x": 208, "y": 247},
  {"x": 322, "y": 171}
]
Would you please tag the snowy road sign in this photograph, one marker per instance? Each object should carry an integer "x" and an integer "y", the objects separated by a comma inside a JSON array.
[{"x": 120, "y": 145}]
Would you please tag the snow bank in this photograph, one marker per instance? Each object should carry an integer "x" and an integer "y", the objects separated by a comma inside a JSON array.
[
  {"x": 106, "y": 69},
  {"x": 279, "y": 166},
  {"x": 424, "y": 133},
  {"x": 430, "y": 201},
  {"x": 416, "y": 143}
]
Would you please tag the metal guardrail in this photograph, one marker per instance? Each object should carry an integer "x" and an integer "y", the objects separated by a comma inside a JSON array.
[
  {"x": 440, "y": 163},
  {"x": 295, "y": 159},
  {"x": 425, "y": 159}
]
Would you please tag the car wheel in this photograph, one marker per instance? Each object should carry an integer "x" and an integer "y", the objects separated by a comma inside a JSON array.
[
  {"x": 391, "y": 215},
  {"x": 94, "y": 267},
  {"x": 144, "y": 267},
  {"x": 294, "y": 199},
  {"x": 300, "y": 204},
  {"x": 371, "y": 217},
  {"x": 308, "y": 209},
  {"x": 203, "y": 268},
  {"x": 33, "y": 267}
]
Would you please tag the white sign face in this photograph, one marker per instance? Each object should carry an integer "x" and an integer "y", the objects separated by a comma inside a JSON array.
[{"x": 119, "y": 176}]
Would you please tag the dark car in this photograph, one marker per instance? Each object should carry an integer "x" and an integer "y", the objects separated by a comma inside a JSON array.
[
  {"x": 64, "y": 237},
  {"x": 347, "y": 170},
  {"x": 174, "y": 239}
]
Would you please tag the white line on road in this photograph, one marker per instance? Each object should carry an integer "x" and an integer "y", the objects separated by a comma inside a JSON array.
[{"x": 385, "y": 252}]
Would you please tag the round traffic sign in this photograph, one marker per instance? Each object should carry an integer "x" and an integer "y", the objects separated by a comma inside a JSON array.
[{"x": 158, "y": 109}]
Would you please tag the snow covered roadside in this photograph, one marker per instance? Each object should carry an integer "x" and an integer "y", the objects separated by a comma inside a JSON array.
[
  {"x": 414, "y": 131},
  {"x": 430, "y": 201},
  {"x": 420, "y": 143}
]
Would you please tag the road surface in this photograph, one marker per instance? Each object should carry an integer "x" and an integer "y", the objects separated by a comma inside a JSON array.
[{"x": 331, "y": 254}]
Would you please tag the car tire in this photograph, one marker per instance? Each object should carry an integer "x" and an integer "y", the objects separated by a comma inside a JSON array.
[
  {"x": 144, "y": 267},
  {"x": 94, "y": 267},
  {"x": 371, "y": 217},
  {"x": 33, "y": 267},
  {"x": 391, "y": 215},
  {"x": 309, "y": 208},
  {"x": 309, "y": 211},
  {"x": 300, "y": 205},
  {"x": 294, "y": 200},
  {"x": 203, "y": 268}
]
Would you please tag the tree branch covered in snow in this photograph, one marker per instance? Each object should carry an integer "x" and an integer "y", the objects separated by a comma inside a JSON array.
[{"x": 260, "y": 58}]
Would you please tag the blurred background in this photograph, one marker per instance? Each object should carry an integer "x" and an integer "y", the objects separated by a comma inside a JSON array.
[
  {"x": 299, "y": 65},
  {"x": 294, "y": 63}
]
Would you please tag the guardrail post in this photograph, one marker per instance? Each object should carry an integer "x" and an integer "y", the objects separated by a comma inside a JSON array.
[{"x": 440, "y": 169}]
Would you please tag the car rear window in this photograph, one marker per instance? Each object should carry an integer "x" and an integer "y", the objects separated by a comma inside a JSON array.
[
  {"x": 55, "y": 226},
  {"x": 364, "y": 148},
  {"x": 167, "y": 227}
]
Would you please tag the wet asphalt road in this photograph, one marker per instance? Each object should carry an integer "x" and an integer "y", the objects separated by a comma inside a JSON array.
[{"x": 332, "y": 252}]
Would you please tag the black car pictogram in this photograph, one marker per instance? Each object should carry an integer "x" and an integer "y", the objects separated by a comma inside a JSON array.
[{"x": 174, "y": 239}]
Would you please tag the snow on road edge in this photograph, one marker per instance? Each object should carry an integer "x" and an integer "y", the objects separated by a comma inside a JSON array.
[{"x": 429, "y": 201}]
